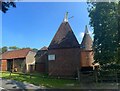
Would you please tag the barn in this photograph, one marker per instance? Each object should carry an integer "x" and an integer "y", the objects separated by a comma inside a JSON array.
[{"x": 21, "y": 60}]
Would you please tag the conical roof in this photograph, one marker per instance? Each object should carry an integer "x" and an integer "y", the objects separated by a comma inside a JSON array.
[
  {"x": 44, "y": 48},
  {"x": 64, "y": 38},
  {"x": 87, "y": 42}
]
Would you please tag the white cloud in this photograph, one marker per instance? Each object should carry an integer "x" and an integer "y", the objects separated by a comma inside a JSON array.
[{"x": 81, "y": 34}]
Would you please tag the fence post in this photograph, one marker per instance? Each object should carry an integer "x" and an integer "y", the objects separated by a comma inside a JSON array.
[
  {"x": 78, "y": 72},
  {"x": 96, "y": 78},
  {"x": 116, "y": 78}
]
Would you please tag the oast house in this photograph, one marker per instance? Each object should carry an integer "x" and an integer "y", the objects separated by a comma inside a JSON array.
[{"x": 65, "y": 56}]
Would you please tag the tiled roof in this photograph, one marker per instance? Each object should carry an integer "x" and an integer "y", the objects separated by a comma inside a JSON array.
[
  {"x": 41, "y": 51},
  {"x": 64, "y": 38},
  {"x": 44, "y": 48},
  {"x": 87, "y": 41},
  {"x": 22, "y": 53}
]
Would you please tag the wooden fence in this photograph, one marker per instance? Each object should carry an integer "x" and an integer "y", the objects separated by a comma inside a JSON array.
[
  {"x": 99, "y": 77},
  {"x": 108, "y": 77}
]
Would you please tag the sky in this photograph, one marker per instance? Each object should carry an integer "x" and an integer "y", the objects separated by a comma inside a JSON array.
[{"x": 34, "y": 24}]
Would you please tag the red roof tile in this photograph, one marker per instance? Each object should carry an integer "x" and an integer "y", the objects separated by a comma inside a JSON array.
[
  {"x": 22, "y": 53},
  {"x": 87, "y": 41},
  {"x": 64, "y": 38}
]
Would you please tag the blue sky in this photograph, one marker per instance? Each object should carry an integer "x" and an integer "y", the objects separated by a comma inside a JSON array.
[{"x": 35, "y": 24}]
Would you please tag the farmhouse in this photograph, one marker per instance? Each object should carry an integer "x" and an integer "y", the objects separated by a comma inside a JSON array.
[{"x": 18, "y": 60}]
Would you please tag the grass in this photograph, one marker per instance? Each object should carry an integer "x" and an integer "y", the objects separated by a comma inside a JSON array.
[
  {"x": 51, "y": 82},
  {"x": 42, "y": 80}
]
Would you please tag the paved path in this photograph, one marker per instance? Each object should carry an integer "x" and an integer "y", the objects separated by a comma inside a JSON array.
[{"x": 12, "y": 85}]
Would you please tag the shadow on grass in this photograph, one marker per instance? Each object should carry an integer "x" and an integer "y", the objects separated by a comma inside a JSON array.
[
  {"x": 42, "y": 80},
  {"x": 46, "y": 82}
]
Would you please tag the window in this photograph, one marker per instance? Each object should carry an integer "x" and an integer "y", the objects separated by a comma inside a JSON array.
[{"x": 51, "y": 57}]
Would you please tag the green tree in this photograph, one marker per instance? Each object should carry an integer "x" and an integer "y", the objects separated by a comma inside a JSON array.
[
  {"x": 4, "y": 6},
  {"x": 0, "y": 50},
  {"x": 35, "y": 49},
  {"x": 119, "y": 32},
  {"x": 13, "y": 48},
  {"x": 104, "y": 20},
  {"x": 4, "y": 49}
]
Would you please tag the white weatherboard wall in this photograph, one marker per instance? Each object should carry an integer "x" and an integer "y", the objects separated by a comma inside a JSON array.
[{"x": 30, "y": 59}]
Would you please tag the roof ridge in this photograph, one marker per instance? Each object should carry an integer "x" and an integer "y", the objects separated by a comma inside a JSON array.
[
  {"x": 18, "y": 49},
  {"x": 21, "y": 53}
]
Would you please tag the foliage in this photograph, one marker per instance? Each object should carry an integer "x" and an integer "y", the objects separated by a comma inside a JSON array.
[
  {"x": 104, "y": 20},
  {"x": 13, "y": 48},
  {"x": 119, "y": 32},
  {"x": 0, "y": 50},
  {"x": 4, "y": 6},
  {"x": 35, "y": 49},
  {"x": 4, "y": 49}
]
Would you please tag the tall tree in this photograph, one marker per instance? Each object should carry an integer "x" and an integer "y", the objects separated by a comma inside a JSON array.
[
  {"x": 119, "y": 32},
  {"x": 104, "y": 20}
]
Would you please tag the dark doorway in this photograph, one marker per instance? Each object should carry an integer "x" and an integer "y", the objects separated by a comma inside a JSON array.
[{"x": 9, "y": 65}]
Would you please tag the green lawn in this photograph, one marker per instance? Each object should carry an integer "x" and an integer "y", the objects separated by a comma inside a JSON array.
[
  {"x": 48, "y": 82},
  {"x": 42, "y": 80}
]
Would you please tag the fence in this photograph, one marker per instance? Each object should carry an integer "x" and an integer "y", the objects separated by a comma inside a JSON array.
[{"x": 108, "y": 77}]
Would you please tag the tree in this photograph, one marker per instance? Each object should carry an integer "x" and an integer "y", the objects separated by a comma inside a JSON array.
[
  {"x": 4, "y": 6},
  {"x": 4, "y": 49},
  {"x": 104, "y": 20},
  {"x": 0, "y": 50},
  {"x": 119, "y": 32},
  {"x": 13, "y": 48},
  {"x": 35, "y": 49}
]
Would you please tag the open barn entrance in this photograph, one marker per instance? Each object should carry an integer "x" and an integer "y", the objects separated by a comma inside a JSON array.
[{"x": 9, "y": 64}]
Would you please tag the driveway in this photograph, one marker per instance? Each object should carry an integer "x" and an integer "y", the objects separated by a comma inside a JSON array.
[{"x": 12, "y": 85}]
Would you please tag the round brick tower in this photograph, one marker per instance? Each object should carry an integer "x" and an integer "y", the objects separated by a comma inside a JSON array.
[{"x": 86, "y": 52}]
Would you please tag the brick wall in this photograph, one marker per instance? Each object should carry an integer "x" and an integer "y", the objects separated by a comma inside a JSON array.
[
  {"x": 86, "y": 58},
  {"x": 41, "y": 64},
  {"x": 3, "y": 65},
  {"x": 66, "y": 62}
]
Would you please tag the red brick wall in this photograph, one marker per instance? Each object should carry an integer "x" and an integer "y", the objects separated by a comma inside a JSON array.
[
  {"x": 66, "y": 62},
  {"x": 86, "y": 58},
  {"x": 41, "y": 64},
  {"x": 40, "y": 67},
  {"x": 3, "y": 65}
]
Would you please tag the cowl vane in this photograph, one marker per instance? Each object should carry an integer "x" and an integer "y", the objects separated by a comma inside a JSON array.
[{"x": 66, "y": 17}]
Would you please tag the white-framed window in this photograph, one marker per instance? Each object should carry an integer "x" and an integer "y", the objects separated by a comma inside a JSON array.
[{"x": 51, "y": 57}]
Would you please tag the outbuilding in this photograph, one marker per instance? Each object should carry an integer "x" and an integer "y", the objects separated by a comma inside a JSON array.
[{"x": 21, "y": 60}]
